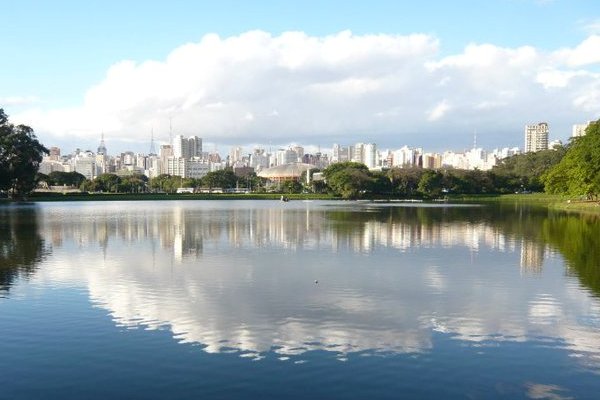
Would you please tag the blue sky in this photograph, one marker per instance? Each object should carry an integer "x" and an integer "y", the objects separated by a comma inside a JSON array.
[{"x": 55, "y": 52}]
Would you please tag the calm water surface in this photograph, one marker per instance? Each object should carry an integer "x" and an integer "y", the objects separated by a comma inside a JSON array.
[{"x": 264, "y": 299}]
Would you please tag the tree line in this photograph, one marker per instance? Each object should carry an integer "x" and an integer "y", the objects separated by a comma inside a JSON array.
[{"x": 138, "y": 183}]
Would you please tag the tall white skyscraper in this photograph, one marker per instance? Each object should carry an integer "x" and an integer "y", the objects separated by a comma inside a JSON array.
[
  {"x": 370, "y": 158},
  {"x": 536, "y": 137}
]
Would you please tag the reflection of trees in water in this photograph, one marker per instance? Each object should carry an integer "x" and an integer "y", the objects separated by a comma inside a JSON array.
[
  {"x": 21, "y": 246},
  {"x": 578, "y": 239}
]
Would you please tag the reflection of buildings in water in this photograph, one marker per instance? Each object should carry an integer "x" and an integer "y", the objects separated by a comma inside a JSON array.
[
  {"x": 532, "y": 256},
  {"x": 188, "y": 231},
  {"x": 187, "y": 241},
  {"x": 403, "y": 236}
]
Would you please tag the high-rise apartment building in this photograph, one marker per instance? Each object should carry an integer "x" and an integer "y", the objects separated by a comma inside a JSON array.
[
  {"x": 341, "y": 153},
  {"x": 54, "y": 153},
  {"x": 579, "y": 129},
  {"x": 235, "y": 155},
  {"x": 194, "y": 146},
  {"x": 187, "y": 147},
  {"x": 536, "y": 137}
]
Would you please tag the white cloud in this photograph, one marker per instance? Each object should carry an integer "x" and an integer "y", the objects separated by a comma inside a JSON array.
[
  {"x": 18, "y": 100},
  {"x": 257, "y": 87},
  {"x": 438, "y": 111},
  {"x": 586, "y": 53}
]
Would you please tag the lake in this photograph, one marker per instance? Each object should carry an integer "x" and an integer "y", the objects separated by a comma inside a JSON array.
[{"x": 305, "y": 299}]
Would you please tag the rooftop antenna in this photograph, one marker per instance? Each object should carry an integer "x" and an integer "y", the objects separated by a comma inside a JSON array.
[{"x": 171, "y": 130}]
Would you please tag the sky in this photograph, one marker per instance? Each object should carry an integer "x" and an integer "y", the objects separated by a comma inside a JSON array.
[{"x": 429, "y": 74}]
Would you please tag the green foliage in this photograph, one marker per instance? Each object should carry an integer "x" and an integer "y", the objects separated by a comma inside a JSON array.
[
  {"x": 431, "y": 183},
  {"x": 59, "y": 178},
  {"x": 111, "y": 183},
  {"x": 291, "y": 187},
  {"x": 224, "y": 178},
  {"x": 524, "y": 171},
  {"x": 349, "y": 179},
  {"x": 405, "y": 181},
  {"x": 165, "y": 183},
  {"x": 578, "y": 173},
  {"x": 20, "y": 157}
]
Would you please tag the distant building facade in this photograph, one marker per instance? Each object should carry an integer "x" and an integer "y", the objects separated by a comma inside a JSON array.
[
  {"x": 579, "y": 129},
  {"x": 536, "y": 137}
]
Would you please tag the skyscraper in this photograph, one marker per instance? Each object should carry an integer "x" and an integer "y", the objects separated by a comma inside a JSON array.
[
  {"x": 187, "y": 147},
  {"x": 180, "y": 147},
  {"x": 102, "y": 147},
  {"x": 536, "y": 137}
]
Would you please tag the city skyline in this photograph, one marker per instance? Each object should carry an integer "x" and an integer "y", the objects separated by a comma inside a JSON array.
[{"x": 271, "y": 74}]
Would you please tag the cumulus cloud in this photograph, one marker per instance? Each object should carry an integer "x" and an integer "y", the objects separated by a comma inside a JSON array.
[
  {"x": 586, "y": 53},
  {"x": 263, "y": 88}
]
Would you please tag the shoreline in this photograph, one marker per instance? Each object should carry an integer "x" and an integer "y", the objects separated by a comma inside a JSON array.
[{"x": 553, "y": 202}]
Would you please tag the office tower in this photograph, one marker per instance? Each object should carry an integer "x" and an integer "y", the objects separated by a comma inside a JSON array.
[
  {"x": 536, "y": 137},
  {"x": 102, "y": 147}
]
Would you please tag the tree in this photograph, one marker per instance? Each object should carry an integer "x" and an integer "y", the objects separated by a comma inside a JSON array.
[
  {"x": 134, "y": 183},
  {"x": 20, "y": 157},
  {"x": 161, "y": 183},
  {"x": 60, "y": 178},
  {"x": 108, "y": 183},
  {"x": 292, "y": 186},
  {"x": 524, "y": 171},
  {"x": 405, "y": 181},
  {"x": 578, "y": 173},
  {"x": 349, "y": 179},
  {"x": 223, "y": 178},
  {"x": 431, "y": 183}
]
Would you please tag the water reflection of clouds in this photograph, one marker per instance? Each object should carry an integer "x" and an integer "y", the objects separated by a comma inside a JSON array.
[{"x": 243, "y": 279}]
